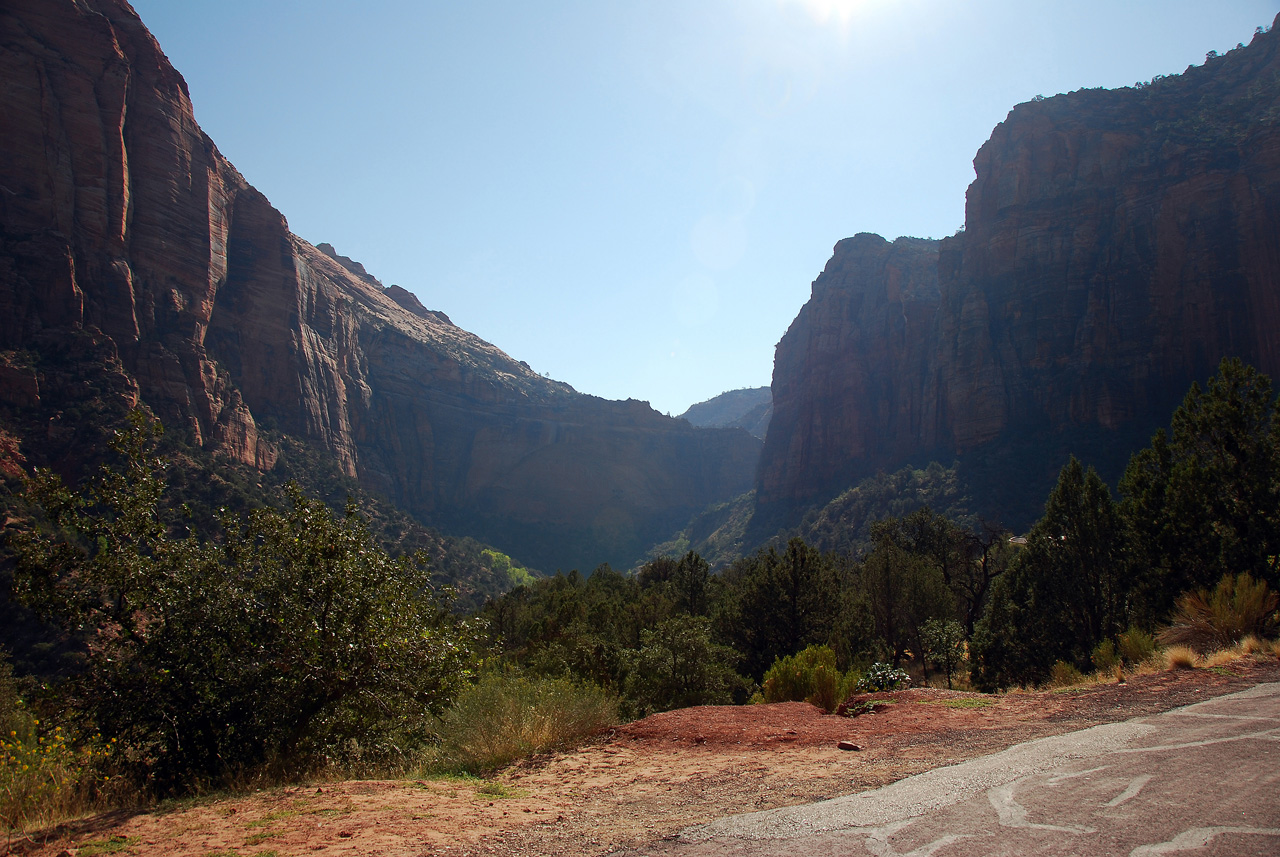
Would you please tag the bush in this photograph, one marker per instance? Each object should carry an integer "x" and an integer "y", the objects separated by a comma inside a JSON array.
[
  {"x": 1104, "y": 657},
  {"x": 1239, "y": 606},
  {"x": 881, "y": 677},
  {"x": 507, "y": 716},
  {"x": 45, "y": 775},
  {"x": 1180, "y": 658},
  {"x": 810, "y": 676},
  {"x": 1063, "y": 674},
  {"x": 1136, "y": 646},
  {"x": 677, "y": 666},
  {"x": 944, "y": 645},
  {"x": 291, "y": 641}
]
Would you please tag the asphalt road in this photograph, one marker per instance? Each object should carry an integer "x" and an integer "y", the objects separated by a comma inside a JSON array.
[{"x": 1204, "y": 779}]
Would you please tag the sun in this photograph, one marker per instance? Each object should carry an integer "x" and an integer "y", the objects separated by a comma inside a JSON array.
[{"x": 834, "y": 12}]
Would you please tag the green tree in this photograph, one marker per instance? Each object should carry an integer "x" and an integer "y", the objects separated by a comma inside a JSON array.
[
  {"x": 1067, "y": 591},
  {"x": 943, "y": 642},
  {"x": 678, "y": 665},
  {"x": 1204, "y": 499},
  {"x": 292, "y": 636}
]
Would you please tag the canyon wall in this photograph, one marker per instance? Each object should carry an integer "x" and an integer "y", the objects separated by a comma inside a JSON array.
[
  {"x": 118, "y": 216},
  {"x": 1117, "y": 245}
]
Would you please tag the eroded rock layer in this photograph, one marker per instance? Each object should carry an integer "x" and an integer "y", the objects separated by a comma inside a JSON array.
[
  {"x": 119, "y": 215},
  {"x": 1117, "y": 245}
]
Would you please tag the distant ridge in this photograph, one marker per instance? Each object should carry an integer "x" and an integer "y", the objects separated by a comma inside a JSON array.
[{"x": 750, "y": 408}]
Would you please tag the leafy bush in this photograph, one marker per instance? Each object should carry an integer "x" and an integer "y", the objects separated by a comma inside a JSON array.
[
  {"x": 944, "y": 645},
  {"x": 1136, "y": 646},
  {"x": 507, "y": 716},
  {"x": 810, "y": 676},
  {"x": 1239, "y": 606},
  {"x": 677, "y": 665},
  {"x": 292, "y": 641},
  {"x": 880, "y": 677}
]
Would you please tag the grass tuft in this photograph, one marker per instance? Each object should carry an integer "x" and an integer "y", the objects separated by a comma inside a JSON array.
[
  {"x": 507, "y": 717},
  {"x": 1180, "y": 658}
]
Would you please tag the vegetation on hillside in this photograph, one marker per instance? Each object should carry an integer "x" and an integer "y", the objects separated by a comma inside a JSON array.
[{"x": 278, "y": 641}]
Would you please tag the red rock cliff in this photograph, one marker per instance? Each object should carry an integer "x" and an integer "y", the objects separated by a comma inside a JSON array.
[
  {"x": 118, "y": 214},
  {"x": 1117, "y": 245}
]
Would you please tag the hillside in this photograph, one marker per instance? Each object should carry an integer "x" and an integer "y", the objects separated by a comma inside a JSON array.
[
  {"x": 749, "y": 408},
  {"x": 1117, "y": 244},
  {"x": 124, "y": 231}
]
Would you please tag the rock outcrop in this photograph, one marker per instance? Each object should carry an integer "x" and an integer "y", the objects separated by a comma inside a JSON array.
[
  {"x": 119, "y": 216},
  {"x": 1117, "y": 245}
]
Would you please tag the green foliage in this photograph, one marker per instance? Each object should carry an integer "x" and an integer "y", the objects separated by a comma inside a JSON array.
[
  {"x": 292, "y": 640},
  {"x": 1136, "y": 646},
  {"x": 845, "y": 523},
  {"x": 678, "y": 665},
  {"x": 944, "y": 646},
  {"x": 809, "y": 676},
  {"x": 502, "y": 564},
  {"x": 1238, "y": 607},
  {"x": 45, "y": 773},
  {"x": 506, "y": 716},
  {"x": 1063, "y": 674},
  {"x": 1204, "y": 499},
  {"x": 881, "y": 677},
  {"x": 1066, "y": 592},
  {"x": 1104, "y": 657},
  {"x": 776, "y": 604}
]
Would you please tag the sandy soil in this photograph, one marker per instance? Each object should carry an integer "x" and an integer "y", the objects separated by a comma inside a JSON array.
[{"x": 641, "y": 782}]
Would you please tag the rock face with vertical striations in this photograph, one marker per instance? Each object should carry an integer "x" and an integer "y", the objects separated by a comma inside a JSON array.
[
  {"x": 1117, "y": 245},
  {"x": 120, "y": 217}
]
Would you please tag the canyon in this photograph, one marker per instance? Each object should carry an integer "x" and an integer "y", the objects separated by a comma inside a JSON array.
[
  {"x": 122, "y": 226},
  {"x": 1117, "y": 245}
]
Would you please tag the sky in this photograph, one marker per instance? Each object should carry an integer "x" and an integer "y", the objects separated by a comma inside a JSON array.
[{"x": 635, "y": 197}]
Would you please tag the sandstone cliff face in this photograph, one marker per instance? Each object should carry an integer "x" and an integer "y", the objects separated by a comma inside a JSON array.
[
  {"x": 118, "y": 215},
  {"x": 1117, "y": 245}
]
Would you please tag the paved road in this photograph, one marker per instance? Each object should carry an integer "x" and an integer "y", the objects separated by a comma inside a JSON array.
[{"x": 1204, "y": 779}]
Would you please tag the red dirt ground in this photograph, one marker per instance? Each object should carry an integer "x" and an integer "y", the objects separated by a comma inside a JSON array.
[{"x": 643, "y": 781}]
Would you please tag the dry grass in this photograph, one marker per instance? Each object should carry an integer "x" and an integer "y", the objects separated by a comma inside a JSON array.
[
  {"x": 507, "y": 717},
  {"x": 1180, "y": 658},
  {"x": 1238, "y": 607}
]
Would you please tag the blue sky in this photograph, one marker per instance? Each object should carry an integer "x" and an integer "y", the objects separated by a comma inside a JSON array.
[{"x": 635, "y": 197}]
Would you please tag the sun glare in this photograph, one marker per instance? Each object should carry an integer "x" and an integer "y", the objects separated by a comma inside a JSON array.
[{"x": 838, "y": 12}]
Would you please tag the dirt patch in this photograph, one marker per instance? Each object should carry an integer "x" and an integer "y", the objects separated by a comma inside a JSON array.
[{"x": 646, "y": 780}]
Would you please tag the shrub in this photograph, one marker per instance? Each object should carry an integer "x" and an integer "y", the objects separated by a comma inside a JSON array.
[
  {"x": 45, "y": 775},
  {"x": 1136, "y": 646},
  {"x": 944, "y": 645},
  {"x": 1179, "y": 658},
  {"x": 882, "y": 676},
  {"x": 1105, "y": 658},
  {"x": 678, "y": 665},
  {"x": 1063, "y": 674},
  {"x": 1238, "y": 607},
  {"x": 289, "y": 641},
  {"x": 810, "y": 676},
  {"x": 506, "y": 716}
]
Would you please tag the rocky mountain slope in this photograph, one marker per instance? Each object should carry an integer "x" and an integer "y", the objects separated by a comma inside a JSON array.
[
  {"x": 749, "y": 408},
  {"x": 121, "y": 221},
  {"x": 1117, "y": 245}
]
